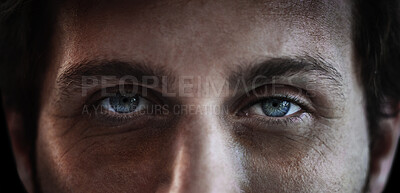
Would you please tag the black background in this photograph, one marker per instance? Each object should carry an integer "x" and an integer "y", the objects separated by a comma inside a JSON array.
[{"x": 11, "y": 183}]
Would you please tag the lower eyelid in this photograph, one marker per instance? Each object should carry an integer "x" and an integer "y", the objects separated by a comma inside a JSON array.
[{"x": 300, "y": 122}]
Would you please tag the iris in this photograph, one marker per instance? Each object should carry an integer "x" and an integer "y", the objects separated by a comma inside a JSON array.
[
  {"x": 275, "y": 107},
  {"x": 124, "y": 104}
]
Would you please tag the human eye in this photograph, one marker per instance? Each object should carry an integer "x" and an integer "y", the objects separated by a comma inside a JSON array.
[
  {"x": 275, "y": 107},
  {"x": 282, "y": 107},
  {"x": 122, "y": 106}
]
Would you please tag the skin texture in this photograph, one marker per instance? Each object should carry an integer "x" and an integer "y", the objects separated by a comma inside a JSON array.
[
  {"x": 195, "y": 152},
  {"x": 321, "y": 148}
]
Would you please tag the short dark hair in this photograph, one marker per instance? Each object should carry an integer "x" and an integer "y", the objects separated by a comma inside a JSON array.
[
  {"x": 377, "y": 47},
  {"x": 25, "y": 31},
  {"x": 26, "y": 27}
]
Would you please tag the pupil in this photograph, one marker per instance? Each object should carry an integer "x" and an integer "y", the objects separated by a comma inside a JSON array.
[{"x": 124, "y": 104}]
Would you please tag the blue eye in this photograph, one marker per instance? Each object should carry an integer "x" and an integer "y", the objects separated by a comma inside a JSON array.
[
  {"x": 278, "y": 107},
  {"x": 274, "y": 107},
  {"x": 123, "y": 104}
]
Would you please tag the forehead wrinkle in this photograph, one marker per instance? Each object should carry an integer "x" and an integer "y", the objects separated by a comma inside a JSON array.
[
  {"x": 333, "y": 16},
  {"x": 81, "y": 8},
  {"x": 294, "y": 6},
  {"x": 311, "y": 9}
]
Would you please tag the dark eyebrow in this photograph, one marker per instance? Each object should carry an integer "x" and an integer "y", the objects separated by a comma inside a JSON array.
[
  {"x": 254, "y": 73},
  {"x": 264, "y": 70},
  {"x": 72, "y": 77}
]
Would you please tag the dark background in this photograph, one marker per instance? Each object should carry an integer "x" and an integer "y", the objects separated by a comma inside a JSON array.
[{"x": 11, "y": 183}]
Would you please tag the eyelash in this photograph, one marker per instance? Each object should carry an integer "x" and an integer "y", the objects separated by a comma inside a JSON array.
[
  {"x": 107, "y": 116},
  {"x": 287, "y": 97},
  {"x": 296, "y": 117},
  {"x": 285, "y": 120}
]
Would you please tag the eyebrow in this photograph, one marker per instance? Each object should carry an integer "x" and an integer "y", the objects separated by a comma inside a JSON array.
[
  {"x": 72, "y": 77},
  {"x": 258, "y": 73},
  {"x": 254, "y": 73}
]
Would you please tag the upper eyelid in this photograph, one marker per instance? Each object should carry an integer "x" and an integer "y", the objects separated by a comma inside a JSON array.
[
  {"x": 287, "y": 92},
  {"x": 96, "y": 96},
  {"x": 287, "y": 98},
  {"x": 293, "y": 99}
]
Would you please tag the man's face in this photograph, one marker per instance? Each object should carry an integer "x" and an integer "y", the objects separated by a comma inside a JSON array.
[{"x": 202, "y": 96}]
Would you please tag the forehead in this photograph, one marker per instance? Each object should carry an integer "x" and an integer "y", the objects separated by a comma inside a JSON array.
[{"x": 200, "y": 33}]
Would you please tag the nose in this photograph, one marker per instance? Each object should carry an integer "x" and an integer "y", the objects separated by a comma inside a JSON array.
[{"x": 205, "y": 158}]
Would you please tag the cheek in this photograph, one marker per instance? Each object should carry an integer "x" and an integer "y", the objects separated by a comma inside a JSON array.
[
  {"x": 137, "y": 161},
  {"x": 334, "y": 158}
]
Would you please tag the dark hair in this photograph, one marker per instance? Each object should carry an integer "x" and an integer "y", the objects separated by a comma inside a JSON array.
[
  {"x": 377, "y": 47},
  {"x": 25, "y": 31},
  {"x": 26, "y": 27}
]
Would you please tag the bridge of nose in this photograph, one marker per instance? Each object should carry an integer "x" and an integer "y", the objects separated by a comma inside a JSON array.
[{"x": 204, "y": 157}]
